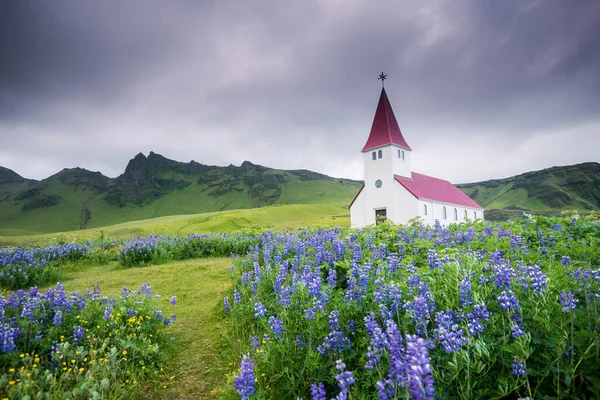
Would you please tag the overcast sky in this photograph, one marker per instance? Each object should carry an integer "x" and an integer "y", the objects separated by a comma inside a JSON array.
[{"x": 481, "y": 89}]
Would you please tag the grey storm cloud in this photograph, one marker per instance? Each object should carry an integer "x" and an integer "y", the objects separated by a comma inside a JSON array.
[{"x": 481, "y": 89}]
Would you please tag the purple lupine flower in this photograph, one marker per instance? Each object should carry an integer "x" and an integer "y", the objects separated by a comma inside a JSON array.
[
  {"x": 159, "y": 314},
  {"x": 285, "y": 296},
  {"x": 173, "y": 300},
  {"x": 331, "y": 277},
  {"x": 517, "y": 328},
  {"x": 503, "y": 273},
  {"x": 419, "y": 379},
  {"x": 147, "y": 290},
  {"x": 568, "y": 301},
  {"x": 418, "y": 310},
  {"x": 476, "y": 319},
  {"x": 259, "y": 310},
  {"x": 78, "y": 333},
  {"x": 226, "y": 304},
  {"x": 57, "y": 318},
  {"x": 107, "y": 313},
  {"x": 378, "y": 341},
  {"x": 237, "y": 297},
  {"x": 317, "y": 391},
  {"x": 465, "y": 291},
  {"x": 254, "y": 342},
  {"x": 244, "y": 383},
  {"x": 566, "y": 260},
  {"x": 345, "y": 380},
  {"x": 508, "y": 300},
  {"x": 276, "y": 326},
  {"x": 397, "y": 371},
  {"x": 448, "y": 332},
  {"x": 335, "y": 340},
  {"x": 386, "y": 389},
  {"x": 8, "y": 337},
  {"x": 518, "y": 367},
  {"x": 434, "y": 262},
  {"x": 174, "y": 317}
]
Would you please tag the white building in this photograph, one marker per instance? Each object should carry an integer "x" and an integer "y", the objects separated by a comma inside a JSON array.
[{"x": 391, "y": 190}]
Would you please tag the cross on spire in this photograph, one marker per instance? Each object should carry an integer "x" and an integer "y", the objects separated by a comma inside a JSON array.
[{"x": 382, "y": 77}]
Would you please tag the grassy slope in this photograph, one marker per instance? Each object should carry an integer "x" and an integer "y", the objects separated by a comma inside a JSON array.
[
  {"x": 195, "y": 366},
  {"x": 193, "y": 199},
  {"x": 277, "y": 217},
  {"x": 573, "y": 187},
  {"x": 63, "y": 216},
  {"x": 197, "y": 199}
]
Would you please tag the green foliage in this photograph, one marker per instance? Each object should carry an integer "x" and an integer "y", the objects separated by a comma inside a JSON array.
[
  {"x": 157, "y": 250},
  {"x": 387, "y": 271},
  {"x": 98, "y": 349}
]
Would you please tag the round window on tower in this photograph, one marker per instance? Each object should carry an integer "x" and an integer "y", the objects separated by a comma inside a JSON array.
[{"x": 378, "y": 183}]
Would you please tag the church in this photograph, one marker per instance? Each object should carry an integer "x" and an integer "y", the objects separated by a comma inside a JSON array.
[{"x": 393, "y": 191}]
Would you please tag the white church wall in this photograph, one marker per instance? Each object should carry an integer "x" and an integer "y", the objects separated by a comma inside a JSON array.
[
  {"x": 435, "y": 210},
  {"x": 358, "y": 211},
  {"x": 406, "y": 205},
  {"x": 401, "y": 161}
]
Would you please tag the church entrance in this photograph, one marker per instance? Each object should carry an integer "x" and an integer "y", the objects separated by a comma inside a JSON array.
[{"x": 380, "y": 216}]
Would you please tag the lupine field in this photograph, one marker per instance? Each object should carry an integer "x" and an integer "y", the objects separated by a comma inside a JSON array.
[{"x": 472, "y": 311}]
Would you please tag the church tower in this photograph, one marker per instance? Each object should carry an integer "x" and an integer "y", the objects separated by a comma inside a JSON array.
[{"x": 386, "y": 154}]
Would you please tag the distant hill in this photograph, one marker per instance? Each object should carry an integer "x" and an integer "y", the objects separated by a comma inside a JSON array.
[
  {"x": 549, "y": 191},
  {"x": 154, "y": 186}
]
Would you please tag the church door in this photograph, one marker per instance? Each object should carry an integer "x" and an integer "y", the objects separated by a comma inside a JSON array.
[{"x": 380, "y": 216}]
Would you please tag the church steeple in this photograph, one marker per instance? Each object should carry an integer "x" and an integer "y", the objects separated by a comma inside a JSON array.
[{"x": 385, "y": 129}]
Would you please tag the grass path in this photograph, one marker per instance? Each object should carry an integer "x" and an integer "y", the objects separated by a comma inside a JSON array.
[{"x": 198, "y": 285}]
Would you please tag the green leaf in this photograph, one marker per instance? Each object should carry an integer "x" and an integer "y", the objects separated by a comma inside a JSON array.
[{"x": 568, "y": 379}]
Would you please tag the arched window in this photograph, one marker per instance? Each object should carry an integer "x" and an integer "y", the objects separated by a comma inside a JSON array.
[
  {"x": 475, "y": 214},
  {"x": 380, "y": 154},
  {"x": 455, "y": 214},
  {"x": 465, "y": 214},
  {"x": 403, "y": 154},
  {"x": 399, "y": 156},
  {"x": 444, "y": 212},
  {"x": 424, "y": 209},
  {"x": 374, "y": 156}
]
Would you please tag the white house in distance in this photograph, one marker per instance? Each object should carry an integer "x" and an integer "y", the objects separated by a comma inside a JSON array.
[{"x": 392, "y": 191}]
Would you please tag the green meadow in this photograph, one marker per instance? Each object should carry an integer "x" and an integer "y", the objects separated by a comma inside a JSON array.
[{"x": 276, "y": 217}]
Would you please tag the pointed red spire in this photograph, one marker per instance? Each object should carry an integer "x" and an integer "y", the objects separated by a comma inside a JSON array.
[{"x": 385, "y": 129}]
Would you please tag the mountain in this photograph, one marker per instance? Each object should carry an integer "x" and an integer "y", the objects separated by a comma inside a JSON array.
[
  {"x": 548, "y": 191},
  {"x": 154, "y": 186}
]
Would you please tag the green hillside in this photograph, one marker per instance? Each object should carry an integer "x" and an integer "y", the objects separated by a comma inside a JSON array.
[
  {"x": 276, "y": 217},
  {"x": 548, "y": 191},
  {"x": 155, "y": 186},
  {"x": 151, "y": 187}
]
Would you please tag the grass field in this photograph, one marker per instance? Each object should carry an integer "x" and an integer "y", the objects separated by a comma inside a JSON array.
[
  {"x": 196, "y": 370},
  {"x": 278, "y": 217}
]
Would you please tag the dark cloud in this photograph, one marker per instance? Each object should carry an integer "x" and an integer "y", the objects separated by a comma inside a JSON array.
[{"x": 481, "y": 89}]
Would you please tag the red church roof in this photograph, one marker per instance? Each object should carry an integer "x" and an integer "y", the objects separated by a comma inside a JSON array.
[
  {"x": 385, "y": 129},
  {"x": 427, "y": 187}
]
